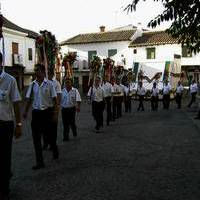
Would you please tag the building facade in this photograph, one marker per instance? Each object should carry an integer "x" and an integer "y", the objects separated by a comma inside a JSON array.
[
  {"x": 154, "y": 50},
  {"x": 19, "y": 58},
  {"x": 113, "y": 44}
]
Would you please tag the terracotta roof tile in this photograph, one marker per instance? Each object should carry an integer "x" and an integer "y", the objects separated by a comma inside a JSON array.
[
  {"x": 109, "y": 36},
  {"x": 11, "y": 25},
  {"x": 153, "y": 38}
]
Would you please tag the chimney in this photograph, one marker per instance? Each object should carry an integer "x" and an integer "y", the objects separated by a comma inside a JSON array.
[
  {"x": 138, "y": 32},
  {"x": 102, "y": 28}
]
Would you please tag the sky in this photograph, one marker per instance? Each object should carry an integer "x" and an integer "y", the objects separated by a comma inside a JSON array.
[{"x": 67, "y": 18}]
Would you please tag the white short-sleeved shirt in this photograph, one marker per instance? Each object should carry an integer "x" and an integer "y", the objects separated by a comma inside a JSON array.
[
  {"x": 141, "y": 91},
  {"x": 155, "y": 92},
  {"x": 108, "y": 89},
  {"x": 129, "y": 89},
  {"x": 70, "y": 99},
  {"x": 96, "y": 93},
  {"x": 118, "y": 90},
  {"x": 9, "y": 93},
  {"x": 179, "y": 89},
  {"x": 193, "y": 88},
  {"x": 166, "y": 89},
  {"x": 42, "y": 94}
]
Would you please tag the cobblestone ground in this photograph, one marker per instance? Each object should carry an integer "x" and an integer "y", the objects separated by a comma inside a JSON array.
[{"x": 142, "y": 156}]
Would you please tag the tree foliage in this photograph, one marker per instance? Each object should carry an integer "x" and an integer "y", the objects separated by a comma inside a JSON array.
[{"x": 185, "y": 17}]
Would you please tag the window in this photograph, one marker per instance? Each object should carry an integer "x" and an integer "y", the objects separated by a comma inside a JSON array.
[
  {"x": 112, "y": 52},
  {"x": 30, "y": 54},
  {"x": 186, "y": 52},
  {"x": 15, "y": 48},
  {"x": 151, "y": 53},
  {"x": 134, "y": 51},
  {"x": 91, "y": 54}
]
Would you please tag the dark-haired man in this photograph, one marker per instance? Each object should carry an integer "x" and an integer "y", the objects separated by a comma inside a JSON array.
[
  {"x": 42, "y": 95},
  {"x": 70, "y": 103}
]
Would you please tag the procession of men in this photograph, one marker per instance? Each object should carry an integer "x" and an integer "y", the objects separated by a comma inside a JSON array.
[{"x": 47, "y": 99}]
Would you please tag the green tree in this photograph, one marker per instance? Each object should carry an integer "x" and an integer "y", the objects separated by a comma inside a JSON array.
[{"x": 185, "y": 17}]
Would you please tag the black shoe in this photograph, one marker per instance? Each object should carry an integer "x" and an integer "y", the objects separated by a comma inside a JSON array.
[
  {"x": 36, "y": 167},
  {"x": 45, "y": 147},
  {"x": 55, "y": 154},
  {"x": 65, "y": 139},
  {"x": 75, "y": 134}
]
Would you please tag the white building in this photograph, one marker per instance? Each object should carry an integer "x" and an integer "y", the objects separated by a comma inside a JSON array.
[
  {"x": 113, "y": 43},
  {"x": 153, "y": 51},
  {"x": 19, "y": 51}
]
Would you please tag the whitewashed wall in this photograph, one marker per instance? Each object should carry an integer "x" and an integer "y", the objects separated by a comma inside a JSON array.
[
  {"x": 164, "y": 53},
  {"x": 102, "y": 51},
  {"x": 24, "y": 42}
]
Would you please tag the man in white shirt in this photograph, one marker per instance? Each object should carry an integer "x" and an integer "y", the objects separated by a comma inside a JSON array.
[
  {"x": 9, "y": 113},
  {"x": 96, "y": 94},
  {"x": 141, "y": 91},
  {"x": 42, "y": 95},
  {"x": 179, "y": 93},
  {"x": 128, "y": 89},
  {"x": 166, "y": 94},
  {"x": 118, "y": 96},
  {"x": 193, "y": 92},
  {"x": 108, "y": 90},
  {"x": 154, "y": 97},
  {"x": 70, "y": 104}
]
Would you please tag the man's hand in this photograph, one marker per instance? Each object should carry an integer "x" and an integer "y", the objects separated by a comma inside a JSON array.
[
  {"x": 18, "y": 132},
  {"x": 24, "y": 115},
  {"x": 77, "y": 108}
]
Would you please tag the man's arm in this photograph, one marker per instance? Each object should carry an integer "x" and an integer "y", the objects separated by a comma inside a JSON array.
[
  {"x": 18, "y": 128},
  {"x": 27, "y": 107}
]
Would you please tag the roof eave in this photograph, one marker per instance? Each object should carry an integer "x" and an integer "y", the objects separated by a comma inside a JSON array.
[
  {"x": 152, "y": 44},
  {"x": 68, "y": 43}
]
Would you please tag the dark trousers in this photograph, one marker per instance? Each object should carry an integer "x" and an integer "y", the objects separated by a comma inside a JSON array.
[
  {"x": 108, "y": 109},
  {"x": 178, "y": 99},
  {"x": 127, "y": 103},
  {"x": 6, "y": 136},
  {"x": 68, "y": 119},
  {"x": 166, "y": 101},
  {"x": 114, "y": 108},
  {"x": 53, "y": 123},
  {"x": 98, "y": 108},
  {"x": 141, "y": 105},
  {"x": 41, "y": 124},
  {"x": 117, "y": 106},
  {"x": 154, "y": 102},
  {"x": 193, "y": 99}
]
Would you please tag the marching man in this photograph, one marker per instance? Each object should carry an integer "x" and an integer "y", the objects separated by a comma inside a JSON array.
[
  {"x": 96, "y": 94},
  {"x": 42, "y": 95},
  {"x": 141, "y": 91},
  {"x": 193, "y": 92},
  {"x": 154, "y": 97},
  {"x": 70, "y": 103},
  {"x": 108, "y": 90},
  {"x": 179, "y": 93},
  {"x": 166, "y": 94}
]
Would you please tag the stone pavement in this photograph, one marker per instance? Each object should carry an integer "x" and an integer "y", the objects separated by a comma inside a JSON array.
[{"x": 142, "y": 156}]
